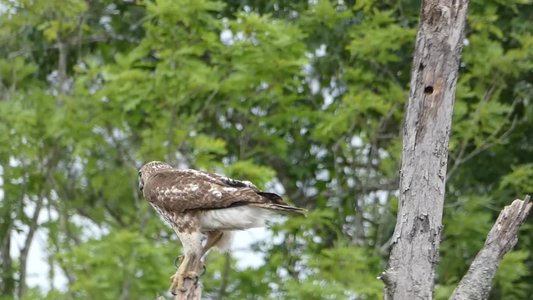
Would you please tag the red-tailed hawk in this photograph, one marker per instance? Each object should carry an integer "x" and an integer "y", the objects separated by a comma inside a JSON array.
[{"x": 197, "y": 204}]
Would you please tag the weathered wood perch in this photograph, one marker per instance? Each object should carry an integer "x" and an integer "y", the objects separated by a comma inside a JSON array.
[
  {"x": 476, "y": 283},
  {"x": 193, "y": 292},
  {"x": 187, "y": 288},
  {"x": 190, "y": 291},
  {"x": 187, "y": 279}
]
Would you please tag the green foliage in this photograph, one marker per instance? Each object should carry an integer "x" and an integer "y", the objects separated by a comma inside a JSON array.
[
  {"x": 466, "y": 228},
  {"x": 340, "y": 272},
  {"x": 511, "y": 274},
  {"x": 519, "y": 180},
  {"x": 122, "y": 258},
  {"x": 260, "y": 175},
  {"x": 306, "y": 97}
]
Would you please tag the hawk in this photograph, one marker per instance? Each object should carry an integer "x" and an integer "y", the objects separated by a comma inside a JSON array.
[{"x": 198, "y": 204}]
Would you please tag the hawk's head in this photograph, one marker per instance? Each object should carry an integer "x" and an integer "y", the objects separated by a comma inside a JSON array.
[{"x": 150, "y": 168}]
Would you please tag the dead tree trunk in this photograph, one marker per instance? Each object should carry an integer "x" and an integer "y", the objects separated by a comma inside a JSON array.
[{"x": 414, "y": 254}]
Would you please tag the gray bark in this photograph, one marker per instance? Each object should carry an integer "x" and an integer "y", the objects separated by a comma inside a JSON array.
[
  {"x": 415, "y": 242},
  {"x": 476, "y": 283}
]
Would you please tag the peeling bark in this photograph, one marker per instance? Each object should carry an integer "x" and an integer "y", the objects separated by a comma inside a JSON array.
[
  {"x": 476, "y": 283},
  {"x": 414, "y": 252}
]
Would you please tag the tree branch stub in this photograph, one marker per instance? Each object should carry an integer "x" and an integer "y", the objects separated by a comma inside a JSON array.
[{"x": 476, "y": 284}]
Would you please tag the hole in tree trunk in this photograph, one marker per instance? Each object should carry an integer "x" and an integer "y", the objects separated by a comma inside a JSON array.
[{"x": 428, "y": 90}]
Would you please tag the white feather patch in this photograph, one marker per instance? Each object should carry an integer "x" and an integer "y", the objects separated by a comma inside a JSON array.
[{"x": 236, "y": 218}]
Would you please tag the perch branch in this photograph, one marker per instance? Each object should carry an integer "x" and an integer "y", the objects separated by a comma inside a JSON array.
[
  {"x": 191, "y": 291},
  {"x": 194, "y": 294},
  {"x": 501, "y": 239}
]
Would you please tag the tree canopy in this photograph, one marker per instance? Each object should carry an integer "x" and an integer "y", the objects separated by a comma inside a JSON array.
[{"x": 305, "y": 98}]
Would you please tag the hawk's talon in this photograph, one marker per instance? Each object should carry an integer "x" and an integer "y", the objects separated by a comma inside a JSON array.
[
  {"x": 191, "y": 275},
  {"x": 179, "y": 259},
  {"x": 174, "y": 283},
  {"x": 178, "y": 281}
]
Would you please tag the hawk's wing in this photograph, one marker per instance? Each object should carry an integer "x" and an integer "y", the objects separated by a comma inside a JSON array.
[
  {"x": 176, "y": 190},
  {"x": 220, "y": 179}
]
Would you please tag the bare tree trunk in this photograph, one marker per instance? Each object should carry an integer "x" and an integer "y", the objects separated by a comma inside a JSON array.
[
  {"x": 414, "y": 254},
  {"x": 7, "y": 282},
  {"x": 33, "y": 226},
  {"x": 501, "y": 239}
]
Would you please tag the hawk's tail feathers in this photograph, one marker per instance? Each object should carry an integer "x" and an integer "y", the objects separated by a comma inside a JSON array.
[
  {"x": 280, "y": 206},
  {"x": 284, "y": 209},
  {"x": 274, "y": 198}
]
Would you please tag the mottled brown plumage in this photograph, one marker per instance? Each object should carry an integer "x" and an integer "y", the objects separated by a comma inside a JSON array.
[{"x": 196, "y": 203}]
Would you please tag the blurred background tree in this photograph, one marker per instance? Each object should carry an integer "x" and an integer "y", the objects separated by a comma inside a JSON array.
[{"x": 303, "y": 97}]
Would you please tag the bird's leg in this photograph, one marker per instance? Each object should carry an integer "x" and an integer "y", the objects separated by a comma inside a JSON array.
[
  {"x": 177, "y": 263},
  {"x": 178, "y": 259},
  {"x": 213, "y": 237},
  {"x": 175, "y": 279},
  {"x": 186, "y": 277}
]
